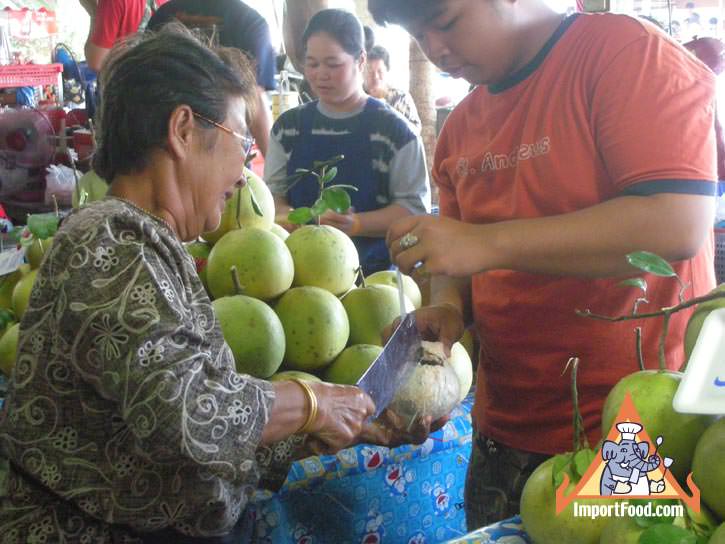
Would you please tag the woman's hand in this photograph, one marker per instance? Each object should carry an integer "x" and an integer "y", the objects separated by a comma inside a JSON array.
[
  {"x": 436, "y": 323},
  {"x": 391, "y": 430},
  {"x": 348, "y": 222},
  {"x": 444, "y": 246},
  {"x": 342, "y": 413}
]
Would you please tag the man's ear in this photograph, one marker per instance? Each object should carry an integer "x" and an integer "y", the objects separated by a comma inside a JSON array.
[
  {"x": 362, "y": 61},
  {"x": 180, "y": 131}
]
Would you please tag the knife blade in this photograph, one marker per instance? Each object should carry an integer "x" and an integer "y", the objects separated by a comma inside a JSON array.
[
  {"x": 393, "y": 367},
  {"x": 401, "y": 294}
]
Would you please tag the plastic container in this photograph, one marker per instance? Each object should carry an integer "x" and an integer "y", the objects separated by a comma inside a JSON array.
[
  {"x": 30, "y": 75},
  {"x": 720, "y": 255}
]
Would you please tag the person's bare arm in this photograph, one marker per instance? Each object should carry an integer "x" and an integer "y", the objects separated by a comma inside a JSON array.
[
  {"x": 95, "y": 55},
  {"x": 90, "y": 6},
  {"x": 374, "y": 223},
  {"x": 261, "y": 125},
  {"x": 590, "y": 243}
]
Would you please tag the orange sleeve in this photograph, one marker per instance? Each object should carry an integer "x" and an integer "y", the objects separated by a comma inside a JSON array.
[
  {"x": 447, "y": 199},
  {"x": 653, "y": 114}
]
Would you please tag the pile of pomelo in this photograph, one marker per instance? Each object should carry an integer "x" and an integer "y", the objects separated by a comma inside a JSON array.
[{"x": 696, "y": 443}]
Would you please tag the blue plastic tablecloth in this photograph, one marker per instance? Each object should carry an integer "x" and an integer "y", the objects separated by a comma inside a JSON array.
[{"x": 371, "y": 494}]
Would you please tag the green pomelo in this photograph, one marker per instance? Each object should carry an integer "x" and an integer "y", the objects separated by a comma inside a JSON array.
[
  {"x": 279, "y": 231},
  {"x": 538, "y": 512},
  {"x": 324, "y": 257},
  {"x": 200, "y": 253},
  {"x": 694, "y": 324},
  {"x": 37, "y": 250},
  {"x": 370, "y": 309},
  {"x": 94, "y": 186},
  {"x": 254, "y": 332},
  {"x": 9, "y": 349},
  {"x": 8, "y": 283},
  {"x": 315, "y": 326},
  {"x": 390, "y": 277},
  {"x": 351, "y": 364},
  {"x": 718, "y": 537},
  {"x": 241, "y": 199},
  {"x": 263, "y": 262},
  {"x": 652, "y": 393},
  {"x": 21, "y": 294},
  {"x": 621, "y": 530},
  {"x": 290, "y": 374},
  {"x": 461, "y": 363},
  {"x": 708, "y": 467}
]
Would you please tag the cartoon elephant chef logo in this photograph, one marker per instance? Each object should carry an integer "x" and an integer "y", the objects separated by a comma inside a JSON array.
[{"x": 628, "y": 465}]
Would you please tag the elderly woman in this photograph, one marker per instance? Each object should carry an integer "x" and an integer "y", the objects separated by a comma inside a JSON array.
[
  {"x": 125, "y": 420},
  {"x": 376, "y": 84},
  {"x": 384, "y": 157}
]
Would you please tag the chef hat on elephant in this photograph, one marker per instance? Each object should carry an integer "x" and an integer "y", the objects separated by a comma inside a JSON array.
[{"x": 629, "y": 430}]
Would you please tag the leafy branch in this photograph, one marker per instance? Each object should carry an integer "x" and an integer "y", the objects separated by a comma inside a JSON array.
[
  {"x": 331, "y": 197},
  {"x": 653, "y": 264}
]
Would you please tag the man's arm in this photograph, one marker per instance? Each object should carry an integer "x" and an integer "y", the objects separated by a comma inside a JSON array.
[
  {"x": 90, "y": 6},
  {"x": 102, "y": 33},
  {"x": 95, "y": 55}
]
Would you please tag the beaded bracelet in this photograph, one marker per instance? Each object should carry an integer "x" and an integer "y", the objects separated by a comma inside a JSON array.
[{"x": 312, "y": 400}]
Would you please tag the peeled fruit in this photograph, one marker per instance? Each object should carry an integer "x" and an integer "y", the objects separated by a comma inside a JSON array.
[
  {"x": 370, "y": 309},
  {"x": 461, "y": 363},
  {"x": 21, "y": 293},
  {"x": 263, "y": 262},
  {"x": 652, "y": 393},
  {"x": 390, "y": 277},
  {"x": 279, "y": 231},
  {"x": 94, "y": 185},
  {"x": 37, "y": 250},
  {"x": 470, "y": 345},
  {"x": 200, "y": 252},
  {"x": 538, "y": 512},
  {"x": 694, "y": 324},
  {"x": 352, "y": 363},
  {"x": 247, "y": 216},
  {"x": 315, "y": 325},
  {"x": 432, "y": 390},
  {"x": 708, "y": 467},
  {"x": 289, "y": 374},
  {"x": 324, "y": 257},
  {"x": 253, "y": 332},
  {"x": 9, "y": 349}
]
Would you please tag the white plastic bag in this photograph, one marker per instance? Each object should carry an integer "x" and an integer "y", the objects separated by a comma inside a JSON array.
[{"x": 59, "y": 181}]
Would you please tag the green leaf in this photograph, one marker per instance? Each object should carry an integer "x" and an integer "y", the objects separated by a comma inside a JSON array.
[
  {"x": 582, "y": 460},
  {"x": 343, "y": 186},
  {"x": 649, "y": 262},
  {"x": 43, "y": 225},
  {"x": 336, "y": 199},
  {"x": 329, "y": 175},
  {"x": 663, "y": 533},
  {"x": 255, "y": 204},
  {"x": 559, "y": 468},
  {"x": 319, "y": 207},
  {"x": 300, "y": 216},
  {"x": 639, "y": 283}
]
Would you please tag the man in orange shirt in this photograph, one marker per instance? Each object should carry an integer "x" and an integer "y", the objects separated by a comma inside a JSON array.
[{"x": 587, "y": 137}]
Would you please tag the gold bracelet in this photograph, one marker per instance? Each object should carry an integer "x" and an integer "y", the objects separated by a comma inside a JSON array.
[{"x": 312, "y": 400}]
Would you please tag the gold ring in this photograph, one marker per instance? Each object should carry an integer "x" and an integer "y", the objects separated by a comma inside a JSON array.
[{"x": 408, "y": 241}]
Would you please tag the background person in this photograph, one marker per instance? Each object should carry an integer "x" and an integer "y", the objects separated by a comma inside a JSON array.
[
  {"x": 111, "y": 21},
  {"x": 125, "y": 420},
  {"x": 384, "y": 158},
  {"x": 237, "y": 25},
  {"x": 376, "y": 85},
  {"x": 567, "y": 156}
]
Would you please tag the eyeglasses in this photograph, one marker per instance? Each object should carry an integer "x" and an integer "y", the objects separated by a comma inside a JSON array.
[{"x": 247, "y": 141}]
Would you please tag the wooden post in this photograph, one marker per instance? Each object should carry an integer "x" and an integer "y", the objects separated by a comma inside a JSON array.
[{"x": 422, "y": 74}]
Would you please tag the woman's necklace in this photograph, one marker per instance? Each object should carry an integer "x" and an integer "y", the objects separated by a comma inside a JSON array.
[{"x": 145, "y": 212}]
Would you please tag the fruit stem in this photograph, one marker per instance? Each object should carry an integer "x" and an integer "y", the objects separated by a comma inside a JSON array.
[
  {"x": 360, "y": 277},
  {"x": 662, "y": 312},
  {"x": 580, "y": 438},
  {"x": 238, "y": 287},
  {"x": 663, "y": 341},
  {"x": 638, "y": 344}
]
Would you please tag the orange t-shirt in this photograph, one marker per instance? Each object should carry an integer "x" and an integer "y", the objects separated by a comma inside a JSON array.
[{"x": 610, "y": 107}]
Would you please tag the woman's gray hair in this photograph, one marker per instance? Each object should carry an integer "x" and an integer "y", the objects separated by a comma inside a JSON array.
[{"x": 146, "y": 77}]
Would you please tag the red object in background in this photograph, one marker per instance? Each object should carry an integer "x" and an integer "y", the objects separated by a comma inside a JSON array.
[
  {"x": 77, "y": 118},
  {"x": 257, "y": 164},
  {"x": 83, "y": 143}
]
